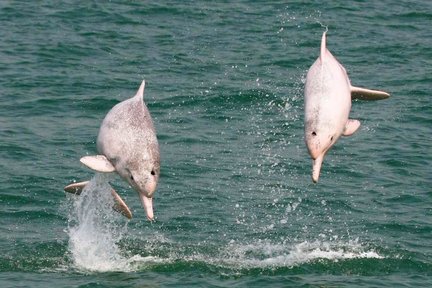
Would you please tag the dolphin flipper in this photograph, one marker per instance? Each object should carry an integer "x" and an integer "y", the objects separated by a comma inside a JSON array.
[
  {"x": 367, "y": 94},
  {"x": 76, "y": 188},
  {"x": 119, "y": 205},
  {"x": 98, "y": 163},
  {"x": 351, "y": 127}
]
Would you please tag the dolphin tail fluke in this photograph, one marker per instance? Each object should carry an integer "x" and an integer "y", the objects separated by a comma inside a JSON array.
[
  {"x": 317, "y": 168},
  {"x": 76, "y": 188},
  {"x": 98, "y": 163},
  {"x": 367, "y": 94},
  {"x": 323, "y": 46},
  {"x": 119, "y": 205}
]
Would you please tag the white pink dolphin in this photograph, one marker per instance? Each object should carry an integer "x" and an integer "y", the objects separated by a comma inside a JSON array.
[
  {"x": 127, "y": 145},
  {"x": 328, "y": 94}
]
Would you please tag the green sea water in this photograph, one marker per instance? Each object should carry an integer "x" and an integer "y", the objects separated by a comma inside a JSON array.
[{"x": 235, "y": 205}]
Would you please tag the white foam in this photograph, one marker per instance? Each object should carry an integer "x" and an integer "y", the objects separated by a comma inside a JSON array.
[
  {"x": 95, "y": 229},
  {"x": 265, "y": 255}
]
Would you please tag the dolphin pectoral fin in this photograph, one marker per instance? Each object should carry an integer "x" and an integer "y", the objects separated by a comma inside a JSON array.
[
  {"x": 367, "y": 94},
  {"x": 76, "y": 188},
  {"x": 147, "y": 203},
  {"x": 316, "y": 168},
  {"x": 351, "y": 127},
  {"x": 98, "y": 163},
  {"x": 120, "y": 206}
]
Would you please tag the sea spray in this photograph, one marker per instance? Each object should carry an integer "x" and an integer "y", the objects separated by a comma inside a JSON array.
[
  {"x": 264, "y": 254},
  {"x": 95, "y": 229}
]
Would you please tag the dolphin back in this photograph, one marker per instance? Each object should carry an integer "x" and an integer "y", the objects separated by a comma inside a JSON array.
[{"x": 127, "y": 131}]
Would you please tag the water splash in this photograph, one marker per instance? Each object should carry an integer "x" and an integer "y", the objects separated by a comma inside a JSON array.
[
  {"x": 268, "y": 255},
  {"x": 95, "y": 229},
  {"x": 259, "y": 255}
]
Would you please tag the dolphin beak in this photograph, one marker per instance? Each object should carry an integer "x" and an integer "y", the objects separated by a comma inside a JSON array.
[
  {"x": 147, "y": 203},
  {"x": 316, "y": 168}
]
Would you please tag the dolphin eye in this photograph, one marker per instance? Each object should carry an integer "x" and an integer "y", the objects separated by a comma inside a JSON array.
[
  {"x": 313, "y": 133},
  {"x": 331, "y": 138},
  {"x": 153, "y": 172},
  {"x": 131, "y": 177}
]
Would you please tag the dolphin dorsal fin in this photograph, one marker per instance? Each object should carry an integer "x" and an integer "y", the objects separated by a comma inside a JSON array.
[
  {"x": 140, "y": 92},
  {"x": 323, "y": 46}
]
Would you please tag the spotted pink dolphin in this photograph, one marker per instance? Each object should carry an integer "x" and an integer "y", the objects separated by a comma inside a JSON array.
[
  {"x": 127, "y": 145},
  {"x": 328, "y": 94}
]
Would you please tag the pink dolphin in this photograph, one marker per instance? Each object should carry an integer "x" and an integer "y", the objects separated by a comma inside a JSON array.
[
  {"x": 328, "y": 94},
  {"x": 127, "y": 145}
]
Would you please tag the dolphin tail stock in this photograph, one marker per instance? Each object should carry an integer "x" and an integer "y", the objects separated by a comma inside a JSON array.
[
  {"x": 367, "y": 94},
  {"x": 119, "y": 205},
  {"x": 98, "y": 163}
]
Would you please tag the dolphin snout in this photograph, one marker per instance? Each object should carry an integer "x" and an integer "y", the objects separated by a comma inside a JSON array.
[
  {"x": 146, "y": 191},
  {"x": 317, "y": 168},
  {"x": 147, "y": 203}
]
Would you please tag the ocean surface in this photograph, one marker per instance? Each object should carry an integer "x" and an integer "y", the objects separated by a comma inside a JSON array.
[{"x": 235, "y": 205}]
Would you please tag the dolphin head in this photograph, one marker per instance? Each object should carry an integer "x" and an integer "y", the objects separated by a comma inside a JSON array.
[
  {"x": 318, "y": 142},
  {"x": 143, "y": 176}
]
